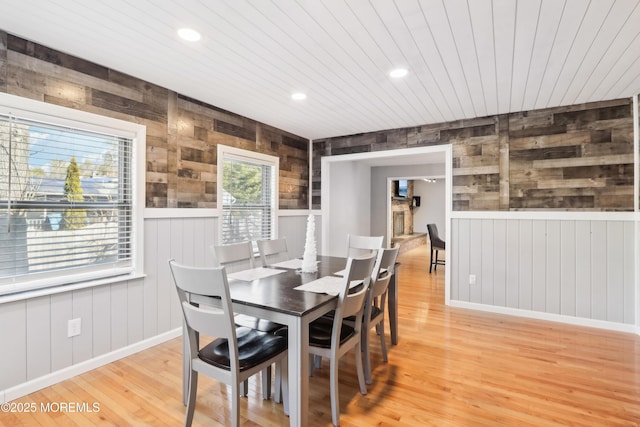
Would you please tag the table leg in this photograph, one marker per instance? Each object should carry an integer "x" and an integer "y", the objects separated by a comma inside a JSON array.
[{"x": 298, "y": 372}]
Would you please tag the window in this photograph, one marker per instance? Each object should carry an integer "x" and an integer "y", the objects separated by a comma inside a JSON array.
[
  {"x": 67, "y": 196},
  {"x": 402, "y": 188},
  {"x": 247, "y": 193}
]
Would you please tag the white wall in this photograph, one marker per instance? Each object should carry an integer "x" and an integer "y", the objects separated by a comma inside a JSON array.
[
  {"x": 345, "y": 204},
  {"x": 294, "y": 228},
  {"x": 432, "y": 208}
]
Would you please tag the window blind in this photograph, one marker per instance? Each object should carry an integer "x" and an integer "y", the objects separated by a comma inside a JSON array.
[
  {"x": 65, "y": 200},
  {"x": 248, "y": 200}
]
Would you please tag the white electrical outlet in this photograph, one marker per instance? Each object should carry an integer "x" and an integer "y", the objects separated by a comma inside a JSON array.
[
  {"x": 74, "y": 327},
  {"x": 472, "y": 279}
]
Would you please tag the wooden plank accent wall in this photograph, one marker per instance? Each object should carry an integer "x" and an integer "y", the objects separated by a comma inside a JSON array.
[
  {"x": 202, "y": 127},
  {"x": 182, "y": 133},
  {"x": 578, "y": 157},
  {"x": 567, "y": 158}
]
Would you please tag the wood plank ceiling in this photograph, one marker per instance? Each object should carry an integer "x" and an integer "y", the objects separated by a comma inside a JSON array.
[{"x": 466, "y": 58}]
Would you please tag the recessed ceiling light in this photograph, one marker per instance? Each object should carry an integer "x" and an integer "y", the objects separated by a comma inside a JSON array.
[
  {"x": 398, "y": 72},
  {"x": 189, "y": 34},
  {"x": 299, "y": 96}
]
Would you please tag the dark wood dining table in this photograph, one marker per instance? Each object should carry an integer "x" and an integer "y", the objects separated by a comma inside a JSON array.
[{"x": 274, "y": 298}]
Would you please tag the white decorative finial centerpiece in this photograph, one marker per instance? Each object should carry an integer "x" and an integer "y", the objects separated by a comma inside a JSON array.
[{"x": 309, "y": 264}]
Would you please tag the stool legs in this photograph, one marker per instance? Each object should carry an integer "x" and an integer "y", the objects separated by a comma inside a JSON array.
[
  {"x": 431, "y": 260},
  {"x": 433, "y": 263}
]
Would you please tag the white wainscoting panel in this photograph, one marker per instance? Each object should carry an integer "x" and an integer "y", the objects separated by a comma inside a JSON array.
[
  {"x": 14, "y": 343},
  {"x": 38, "y": 349},
  {"x": 61, "y": 345},
  {"x": 102, "y": 320},
  {"x": 113, "y": 316},
  {"x": 35, "y": 350},
  {"x": 580, "y": 268}
]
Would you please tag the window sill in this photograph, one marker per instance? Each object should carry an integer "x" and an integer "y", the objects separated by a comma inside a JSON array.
[{"x": 19, "y": 296}]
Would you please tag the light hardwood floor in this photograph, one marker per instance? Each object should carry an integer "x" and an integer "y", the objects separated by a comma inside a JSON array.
[{"x": 452, "y": 367}]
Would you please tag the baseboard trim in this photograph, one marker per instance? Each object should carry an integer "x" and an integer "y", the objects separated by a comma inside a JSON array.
[
  {"x": 559, "y": 318},
  {"x": 39, "y": 383}
]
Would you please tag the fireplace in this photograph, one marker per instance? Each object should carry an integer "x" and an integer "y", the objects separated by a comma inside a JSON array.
[{"x": 398, "y": 223}]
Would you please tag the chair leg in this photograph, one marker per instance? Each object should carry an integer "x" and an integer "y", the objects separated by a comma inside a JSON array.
[
  {"x": 284, "y": 379},
  {"x": 430, "y": 260},
  {"x": 281, "y": 394},
  {"x": 383, "y": 343},
  {"x": 335, "y": 399},
  {"x": 277, "y": 393},
  {"x": 359, "y": 370},
  {"x": 311, "y": 365},
  {"x": 235, "y": 405},
  {"x": 191, "y": 399},
  {"x": 365, "y": 350},
  {"x": 266, "y": 383},
  {"x": 244, "y": 388},
  {"x": 378, "y": 329},
  {"x": 435, "y": 264}
]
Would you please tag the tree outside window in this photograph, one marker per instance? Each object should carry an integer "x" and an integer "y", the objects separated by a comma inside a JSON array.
[
  {"x": 73, "y": 218},
  {"x": 248, "y": 195}
]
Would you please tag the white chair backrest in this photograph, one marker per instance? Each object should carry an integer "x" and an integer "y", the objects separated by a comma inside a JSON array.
[
  {"x": 235, "y": 257},
  {"x": 214, "y": 322},
  {"x": 351, "y": 302},
  {"x": 362, "y": 246},
  {"x": 272, "y": 251},
  {"x": 382, "y": 271}
]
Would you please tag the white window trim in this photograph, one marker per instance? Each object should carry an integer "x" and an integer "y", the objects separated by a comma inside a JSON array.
[
  {"x": 252, "y": 156},
  {"x": 64, "y": 116}
]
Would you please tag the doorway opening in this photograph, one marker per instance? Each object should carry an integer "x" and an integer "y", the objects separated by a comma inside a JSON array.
[
  {"x": 356, "y": 193},
  {"x": 422, "y": 204}
]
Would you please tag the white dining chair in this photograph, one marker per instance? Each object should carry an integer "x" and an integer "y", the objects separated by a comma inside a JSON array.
[
  {"x": 373, "y": 315},
  {"x": 359, "y": 246},
  {"x": 237, "y": 257},
  {"x": 273, "y": 251},
  {"x": 234, "y": 257},
  {"x": 332, "y": 338},
  {"x": 236, "y": 353}
]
